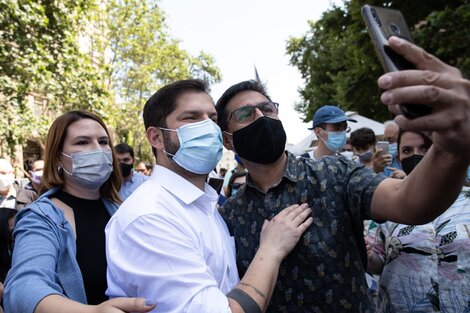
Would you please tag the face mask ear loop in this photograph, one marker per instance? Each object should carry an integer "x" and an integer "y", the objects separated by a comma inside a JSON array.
[
  {"x": 168, "y": 153},
  {"x": 61, "y": 168}
]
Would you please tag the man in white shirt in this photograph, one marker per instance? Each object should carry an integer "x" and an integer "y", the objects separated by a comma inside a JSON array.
[{"x": 167, "y": 242}]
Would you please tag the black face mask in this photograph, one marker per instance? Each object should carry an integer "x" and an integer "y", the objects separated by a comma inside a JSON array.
[
  {"x": 409, "y": 163},
  {"x": 263, "y": 141},
  {"x": 126, "y": 169}
]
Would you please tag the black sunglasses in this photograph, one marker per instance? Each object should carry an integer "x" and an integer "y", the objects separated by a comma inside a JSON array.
[{"x": 236, "y": 185}]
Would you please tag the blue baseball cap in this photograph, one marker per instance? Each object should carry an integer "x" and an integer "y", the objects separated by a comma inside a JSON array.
[{"x": 330, "y": 114}]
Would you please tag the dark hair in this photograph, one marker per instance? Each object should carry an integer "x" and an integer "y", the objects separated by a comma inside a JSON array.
[
  {"x": 362, "y": 138},
  {"x": 426, "y": 139},
  {"x": 232, "y": 178},
  {"x": 52, "y": 177},
  {"x": 163, "y": 102},
  {"x": 123, "y": 148},
  {"x": 253, "y": 85},
  {"x": 6, "y": 241}
]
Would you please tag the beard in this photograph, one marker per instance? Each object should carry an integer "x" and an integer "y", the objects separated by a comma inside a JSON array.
[{"x": 171, "y": 148}]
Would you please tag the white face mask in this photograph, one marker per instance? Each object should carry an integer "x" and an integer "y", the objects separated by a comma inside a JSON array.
[
  {"x": 348, "y": 154},
  {"x": 6, "y": 181},
  {"x": 92, "y": 168}
]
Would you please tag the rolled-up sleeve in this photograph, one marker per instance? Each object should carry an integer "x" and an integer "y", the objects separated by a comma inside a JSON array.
[
  {"x": 361, "y": 185},
  {"x": 157, "y": 258}
]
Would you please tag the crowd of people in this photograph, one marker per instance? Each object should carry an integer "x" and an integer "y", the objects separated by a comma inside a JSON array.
[{"x": 96, "y": 232}]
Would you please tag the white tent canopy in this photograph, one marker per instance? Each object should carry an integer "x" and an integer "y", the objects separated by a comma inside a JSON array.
[{"x": 307, "y": 143}]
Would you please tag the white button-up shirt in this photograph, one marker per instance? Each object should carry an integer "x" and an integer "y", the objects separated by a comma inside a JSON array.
[{"x": 168, "y": 244}]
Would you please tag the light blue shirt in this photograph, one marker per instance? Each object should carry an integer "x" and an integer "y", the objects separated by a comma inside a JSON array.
[
  {"x": 44, "y": 257},
  {"x": 130, "y": 185}
]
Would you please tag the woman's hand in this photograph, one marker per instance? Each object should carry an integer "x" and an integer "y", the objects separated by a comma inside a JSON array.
[
  {"x": 396, "y": 173},
  {"x": 123, "y": 305}
]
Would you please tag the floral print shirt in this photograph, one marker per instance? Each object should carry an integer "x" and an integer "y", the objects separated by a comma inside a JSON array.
[
  {"x": 427, "y": 267},
  {"x": 324, "y": 272}
]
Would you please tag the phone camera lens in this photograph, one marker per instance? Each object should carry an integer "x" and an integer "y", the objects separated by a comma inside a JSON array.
[
  {"x": 376, "y": 17},
  {"x": 394, "y": 29}
]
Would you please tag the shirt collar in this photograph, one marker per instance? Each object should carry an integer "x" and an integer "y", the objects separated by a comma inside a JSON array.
[
  {"x": 131, "y": 179},
  {"x": 290, "y": 171},
  {"x": 180, "y": 187}
]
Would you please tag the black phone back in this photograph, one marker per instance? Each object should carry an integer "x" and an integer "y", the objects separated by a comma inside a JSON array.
[{"x": 382, "y": 23}]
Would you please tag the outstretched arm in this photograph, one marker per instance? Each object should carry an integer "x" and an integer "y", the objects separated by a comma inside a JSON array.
[{"x": 436, "y": 181}]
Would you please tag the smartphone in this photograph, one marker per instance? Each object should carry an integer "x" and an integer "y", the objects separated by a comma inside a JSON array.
[
  {"x": 382, "y": 23},
  {"x": 384, "y": 146},
  {"x": 216, "y": 183}
]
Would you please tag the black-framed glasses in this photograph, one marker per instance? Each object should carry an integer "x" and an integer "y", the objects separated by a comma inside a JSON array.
[{"x": 247, "y": 113}]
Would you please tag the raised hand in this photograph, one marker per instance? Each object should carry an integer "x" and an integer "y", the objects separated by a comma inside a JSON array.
[
  {"x": 434, "y": 84},
  {"x": 380, "y": 160}
]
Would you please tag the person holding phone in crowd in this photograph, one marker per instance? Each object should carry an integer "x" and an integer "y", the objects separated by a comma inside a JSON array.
[
  {"x": 324, "y": 271},
  {"x": 59, "y": 262},
  {"x": 423, "y": 267}
]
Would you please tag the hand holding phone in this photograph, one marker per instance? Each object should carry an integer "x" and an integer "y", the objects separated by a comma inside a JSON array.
[
  {"x": 384, "y": 146},
  {"x": 382, "y": 23}
]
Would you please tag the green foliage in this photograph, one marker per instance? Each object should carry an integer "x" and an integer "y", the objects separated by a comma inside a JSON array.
[
  {"x": 339, "y": 65},
  {"x": 145, "y": 57},
  {"x": 107, "y": 58},
  {"x": 42, "y": 71}
]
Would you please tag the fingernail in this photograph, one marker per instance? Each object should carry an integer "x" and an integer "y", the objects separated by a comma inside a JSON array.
[
  {"x": 384, "y": 81},
  {"x": 149, "y": 303},
  {"x": 397, "y": 40},
  {"x": 386, "y": 98}
]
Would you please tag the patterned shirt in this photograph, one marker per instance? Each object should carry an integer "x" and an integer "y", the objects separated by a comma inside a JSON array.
[
  {"x": 427, "y": 267},
  {"x": 323, "y": 273}
]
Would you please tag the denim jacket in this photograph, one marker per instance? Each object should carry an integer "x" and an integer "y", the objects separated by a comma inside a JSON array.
[{"x": 44, "y": 257}]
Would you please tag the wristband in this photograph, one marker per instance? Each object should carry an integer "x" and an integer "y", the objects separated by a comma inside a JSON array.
[{"x": 244, "y": 300}]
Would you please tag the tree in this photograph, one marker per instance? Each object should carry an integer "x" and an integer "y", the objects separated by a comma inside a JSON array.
[
  {"x": 40, "y": 60},
  {"x": 339, "y": 66},
  {"x": 144, "y": 57},
  {"x": 104, "y": 57}
]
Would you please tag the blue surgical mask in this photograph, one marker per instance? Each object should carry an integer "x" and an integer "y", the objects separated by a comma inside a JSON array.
[
  {"x": 393, "y": 148},
  {"x": 200, "y": 146},
  {"x": 336, "y": 141},
  {"x": 90, "y": 169}
]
